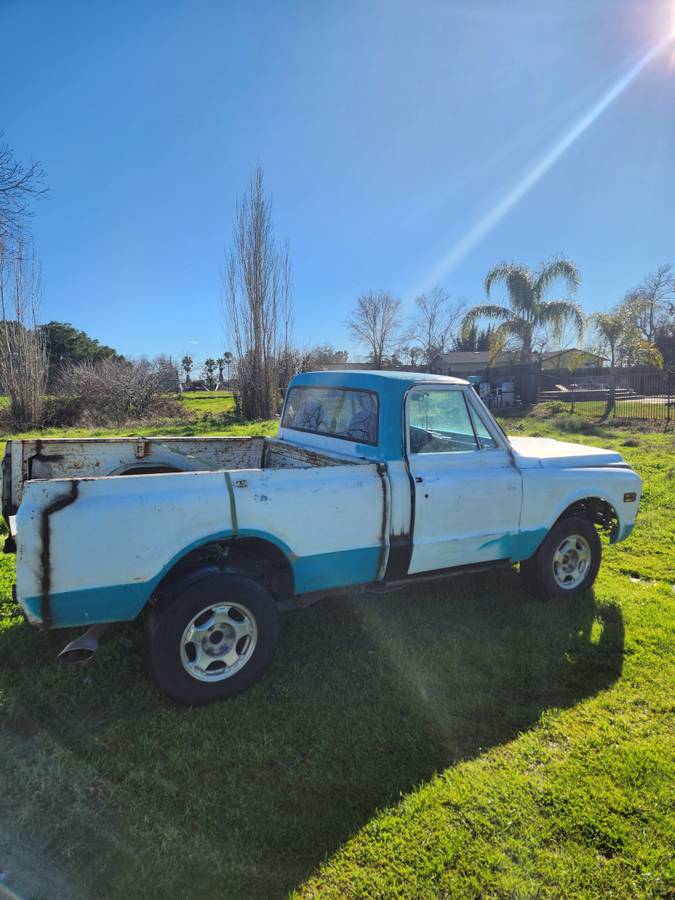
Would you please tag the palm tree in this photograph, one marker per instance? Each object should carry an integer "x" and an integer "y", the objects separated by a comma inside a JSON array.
[
  {"x": 229, "y": 359},
  {"x": 187, "y": 363},
  {"x": 209, "y": 372},
  {"x": 528, "y": 310},
  {"x": 610, "y": 328}
]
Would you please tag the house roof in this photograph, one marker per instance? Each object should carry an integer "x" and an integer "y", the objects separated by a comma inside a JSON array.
[
  {"x": 464, "y": 356},
  {"x": 551, "y": 354}
]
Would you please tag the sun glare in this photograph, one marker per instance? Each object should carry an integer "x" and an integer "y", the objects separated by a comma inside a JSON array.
[{"x": 539, "y": 167}]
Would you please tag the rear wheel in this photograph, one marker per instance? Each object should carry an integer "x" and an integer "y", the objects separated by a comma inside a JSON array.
[
  {"x": 213, "y": 636},
  {"x": 567, "y": 562}
]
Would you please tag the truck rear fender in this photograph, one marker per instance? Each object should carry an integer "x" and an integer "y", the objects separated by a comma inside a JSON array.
[{"x": 257, "y": 557}]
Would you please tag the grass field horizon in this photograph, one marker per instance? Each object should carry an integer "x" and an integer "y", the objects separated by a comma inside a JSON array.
[{"x": 448, "y": 739}]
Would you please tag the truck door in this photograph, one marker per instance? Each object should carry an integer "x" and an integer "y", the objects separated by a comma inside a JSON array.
[{"x": 467, "y": 490}]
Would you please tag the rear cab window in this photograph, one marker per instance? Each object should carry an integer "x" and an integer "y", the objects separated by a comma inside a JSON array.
[{"x": 346, "y": 413}]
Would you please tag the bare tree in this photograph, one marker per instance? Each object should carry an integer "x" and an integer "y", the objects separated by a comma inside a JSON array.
[
  {"x": 434, "y": 324},
  {"x": 23, "y": 353},
  {"x": 321, "y": 356},
  {"x": 649, "y": 305},
  {"x": 376, "y": 322},
  {"x": 19, "y": 186},
  {"x": 287, "y": 358},
  {"x": 257, "y": 302}
]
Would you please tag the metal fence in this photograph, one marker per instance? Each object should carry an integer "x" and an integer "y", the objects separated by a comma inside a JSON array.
[{"x": 638, "y": 394}]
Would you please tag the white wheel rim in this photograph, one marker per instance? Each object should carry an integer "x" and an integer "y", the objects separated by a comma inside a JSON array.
[
  {"x": 218, "y": 642},
  {"x": 571, "y": 562}
]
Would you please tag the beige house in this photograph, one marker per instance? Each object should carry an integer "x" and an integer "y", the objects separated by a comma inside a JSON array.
[
  {"x": 571, "y": 359},
  {"x": 472, "y": 362},
  {"x": 459, "y": 362}
]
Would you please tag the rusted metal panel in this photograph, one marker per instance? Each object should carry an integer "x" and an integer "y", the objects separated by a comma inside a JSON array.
[
  {"x": 283, "y": 455},
  {"x": 58, "y": 503},
  {"x": 95, "y": 457}
]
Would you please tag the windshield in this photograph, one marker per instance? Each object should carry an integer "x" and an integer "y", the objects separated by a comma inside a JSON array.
[{"x": 337, "y": 412}]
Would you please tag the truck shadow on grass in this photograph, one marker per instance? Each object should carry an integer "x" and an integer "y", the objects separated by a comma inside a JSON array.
[{"x": 368, "y": 697}]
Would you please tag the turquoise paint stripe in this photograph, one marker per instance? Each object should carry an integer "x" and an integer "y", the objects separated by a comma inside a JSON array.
[
  {"x": 324, "y": 571},
  {"x": 124, "y": 602},
  {"x": 523, "y": 544},
  {"x": 118, "y": 603},
  {"x": 624, "y": 532},
  {"x": 516, "y": 545}
]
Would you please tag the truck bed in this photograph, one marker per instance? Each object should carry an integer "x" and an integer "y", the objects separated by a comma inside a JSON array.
[
  {"x": 28, "y": 460},
  {"x": 93, "y": 543}
]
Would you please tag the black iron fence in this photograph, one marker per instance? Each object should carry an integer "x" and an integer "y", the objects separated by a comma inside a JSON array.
[{"x": 637, "y": 393}]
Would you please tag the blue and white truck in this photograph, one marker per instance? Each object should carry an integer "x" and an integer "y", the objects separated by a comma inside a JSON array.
[{"x": 374, "y": 479}]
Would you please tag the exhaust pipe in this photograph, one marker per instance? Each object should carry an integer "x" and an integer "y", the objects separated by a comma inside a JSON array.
[{"x": 83, "y": 649}]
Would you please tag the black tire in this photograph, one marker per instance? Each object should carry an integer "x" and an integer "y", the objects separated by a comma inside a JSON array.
[
  {"x": 538, "y": 571},
  {"x": 168, "y": 656}
]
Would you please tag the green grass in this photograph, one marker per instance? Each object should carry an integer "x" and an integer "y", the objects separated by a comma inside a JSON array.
[
  {"x": 209, "y": 401},
  {"x": 455, "y": 739},
  {"x": 207, "y": 413}
]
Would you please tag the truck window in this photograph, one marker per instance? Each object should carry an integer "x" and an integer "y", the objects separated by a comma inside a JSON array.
[
  {"x": 439, "y": 422},
  {"x": 487, "y": 442},
  {"x": 337, "y": 412}
]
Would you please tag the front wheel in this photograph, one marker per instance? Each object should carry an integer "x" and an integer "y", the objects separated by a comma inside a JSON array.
[
  {"x": 567, "y": 562},
  {"x": 213, "y": 636}
]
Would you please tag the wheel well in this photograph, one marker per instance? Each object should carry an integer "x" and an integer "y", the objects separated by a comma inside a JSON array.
[
  {"x": 258, "y": 558},
  {"x": 598, "y": 511}
]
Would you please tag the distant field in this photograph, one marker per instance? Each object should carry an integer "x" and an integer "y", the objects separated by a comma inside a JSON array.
[
  {"x": 209, "y": 401},
  {"x": 209, "y": 414}
]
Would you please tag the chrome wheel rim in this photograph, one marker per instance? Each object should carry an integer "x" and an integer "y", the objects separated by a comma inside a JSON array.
[
  {"x": 571, "y": 562},
  {"x": 218, "y": 642}
]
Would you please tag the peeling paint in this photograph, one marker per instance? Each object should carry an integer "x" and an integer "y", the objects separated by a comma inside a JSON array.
[{"x": 45, "y": 555}]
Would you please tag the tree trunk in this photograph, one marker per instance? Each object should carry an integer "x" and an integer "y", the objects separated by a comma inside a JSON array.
[{"x": 611, "y": 400}]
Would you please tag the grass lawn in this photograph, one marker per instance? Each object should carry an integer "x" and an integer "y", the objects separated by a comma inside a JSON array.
[
  {"x": 456, "y": 739},
  {"x": 209, "y": 401}
]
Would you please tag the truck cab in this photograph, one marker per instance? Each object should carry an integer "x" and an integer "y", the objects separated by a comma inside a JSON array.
[{"x": 373, "y": 479}]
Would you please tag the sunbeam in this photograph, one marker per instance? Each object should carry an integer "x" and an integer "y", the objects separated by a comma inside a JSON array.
[{"x": 538, "y": 170}]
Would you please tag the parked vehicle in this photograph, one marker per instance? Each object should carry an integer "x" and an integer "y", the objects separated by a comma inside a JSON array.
[{"x": 374, "y": 479}]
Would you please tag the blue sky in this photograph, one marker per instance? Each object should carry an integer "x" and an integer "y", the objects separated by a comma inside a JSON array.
[{"x": 388, "y": 132}]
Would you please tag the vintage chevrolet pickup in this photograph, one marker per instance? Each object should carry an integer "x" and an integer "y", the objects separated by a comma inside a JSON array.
[{"x": 374, "y": 479}]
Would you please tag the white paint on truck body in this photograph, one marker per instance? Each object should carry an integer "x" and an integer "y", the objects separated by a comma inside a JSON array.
[{"x": 422, "y": 497}]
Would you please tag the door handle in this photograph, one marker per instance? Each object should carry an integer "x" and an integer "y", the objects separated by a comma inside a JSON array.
[{"x": 419, "y": 479}]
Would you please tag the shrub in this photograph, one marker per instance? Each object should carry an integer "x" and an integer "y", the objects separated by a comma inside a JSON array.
[
  {"x": 114, "y": 392},
  {"x": 579, "y": 425}
]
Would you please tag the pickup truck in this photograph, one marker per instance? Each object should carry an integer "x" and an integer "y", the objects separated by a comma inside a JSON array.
[{"x": 374, "y": 480}]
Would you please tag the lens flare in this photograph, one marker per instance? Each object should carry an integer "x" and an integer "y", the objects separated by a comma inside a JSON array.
[{"x": 538, "y": 169}]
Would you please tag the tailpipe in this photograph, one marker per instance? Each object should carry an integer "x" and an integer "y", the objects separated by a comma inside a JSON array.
[{"x": 83, "y": 649}]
